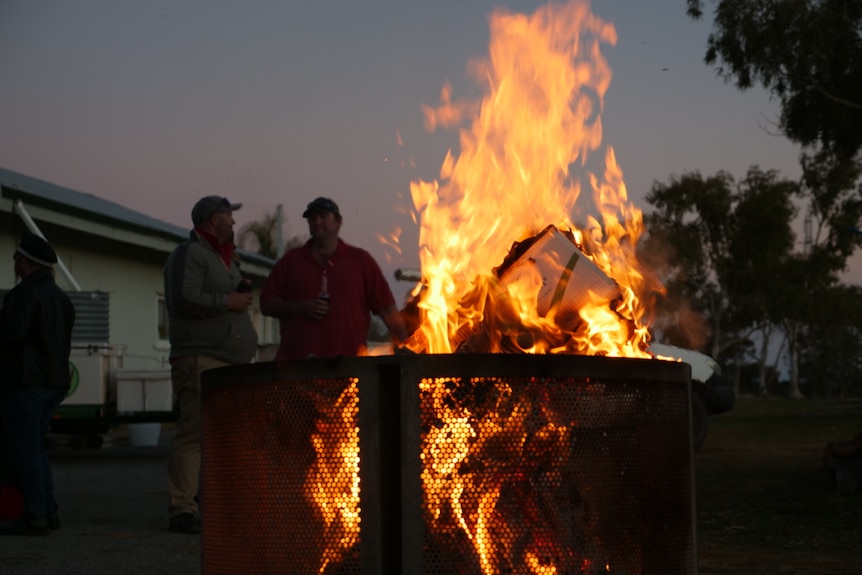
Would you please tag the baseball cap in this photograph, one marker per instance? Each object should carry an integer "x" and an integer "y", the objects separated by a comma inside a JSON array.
[
  {"x": 209, "y": 206},
  {"x": 321, "y": 205}
]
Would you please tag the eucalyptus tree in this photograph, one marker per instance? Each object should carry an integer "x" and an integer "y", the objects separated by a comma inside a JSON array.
[
  {"x": 806, "y": 53},
  {"x": 830, "y": 346},
  {"x": 761, "y": 243},
  {"x": 722, "y": 247}
]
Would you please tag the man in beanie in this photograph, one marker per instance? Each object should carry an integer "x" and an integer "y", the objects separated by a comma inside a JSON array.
[
  {"x": 209, "y": 327},
  {"x": 35, "y": 342},
  {"x": 324, "y": 292}
]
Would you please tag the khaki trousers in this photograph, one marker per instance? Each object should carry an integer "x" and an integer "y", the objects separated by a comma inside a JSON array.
[{"x": 184, "y": 464}]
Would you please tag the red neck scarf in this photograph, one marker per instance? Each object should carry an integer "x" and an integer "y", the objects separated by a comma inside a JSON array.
[{"x": 225, "y": 250}]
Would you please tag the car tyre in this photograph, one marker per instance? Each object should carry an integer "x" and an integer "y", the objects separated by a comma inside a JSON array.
[{"x": 699, "y": 421}]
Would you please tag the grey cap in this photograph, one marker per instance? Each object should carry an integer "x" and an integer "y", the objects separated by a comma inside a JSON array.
[{"x": 209, "y": 206}]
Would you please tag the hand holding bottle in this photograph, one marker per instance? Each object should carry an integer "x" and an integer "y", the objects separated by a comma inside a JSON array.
[{"x": 321, "y": 304}]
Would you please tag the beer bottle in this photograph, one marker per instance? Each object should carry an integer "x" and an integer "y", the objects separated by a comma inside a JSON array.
[{"x": 324, "y": 290}]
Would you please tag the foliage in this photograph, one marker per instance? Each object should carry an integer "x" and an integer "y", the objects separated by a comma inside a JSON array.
[
  {"x": 260, "y": 236},
  {"x": 831, "y": 345},
  {"x": 719, "y": 246},
  {"x": 835, "y": 202},
  {"x": 807, "y": 53},
  {"x": 686, "y": 244}
]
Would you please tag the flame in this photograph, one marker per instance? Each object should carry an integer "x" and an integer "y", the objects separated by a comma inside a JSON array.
[
  {"x": 559, "y": 288},
  {"x": 544, "y": 81},
  {"x": 333, "y": 480}
]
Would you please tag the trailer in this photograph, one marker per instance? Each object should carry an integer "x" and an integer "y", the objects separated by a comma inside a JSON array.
[{"x": 103, "y": 395}]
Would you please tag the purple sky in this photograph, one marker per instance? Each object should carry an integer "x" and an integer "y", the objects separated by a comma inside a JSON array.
[{"x": 154, "y": 104}]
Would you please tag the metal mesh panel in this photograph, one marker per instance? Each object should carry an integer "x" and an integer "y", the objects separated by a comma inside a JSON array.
[
  {"x": 279, "y": 482},
  {"x": 463, "y": 464},
  {"x": 555, "y": 475}
]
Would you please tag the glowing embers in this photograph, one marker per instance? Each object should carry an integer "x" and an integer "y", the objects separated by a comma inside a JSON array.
[
  {"x": 333, "y": 479},
  {"x": 497, "y": 471}
]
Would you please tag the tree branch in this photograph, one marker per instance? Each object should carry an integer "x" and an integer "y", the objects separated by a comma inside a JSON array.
[{"x": 835, "y": 99}]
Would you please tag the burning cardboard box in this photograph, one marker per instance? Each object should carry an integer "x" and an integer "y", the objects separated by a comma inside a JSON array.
[
  {"x": 570, "y": 281},
  {"x": 548, "y": 276}
]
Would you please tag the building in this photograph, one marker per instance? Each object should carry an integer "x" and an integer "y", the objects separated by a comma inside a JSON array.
[{"x": 111, "y": 261}]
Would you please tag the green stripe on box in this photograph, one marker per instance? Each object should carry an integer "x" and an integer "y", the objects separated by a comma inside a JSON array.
[{"x": 564, "y": 281}]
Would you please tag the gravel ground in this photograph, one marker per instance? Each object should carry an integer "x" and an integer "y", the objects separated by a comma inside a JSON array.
[{"x": 113, "y": 516}]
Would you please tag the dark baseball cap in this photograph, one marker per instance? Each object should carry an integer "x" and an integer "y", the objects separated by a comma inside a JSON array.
[
  {"x": 321, "y": 205},
  {"x": 209, "y": 206}
]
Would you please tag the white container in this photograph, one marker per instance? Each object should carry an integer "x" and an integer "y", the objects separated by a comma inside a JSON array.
[
  {"x": 142, "y": 390},
  {"x": 91, "y": 366},
  {"x": 144, "y": 434}
]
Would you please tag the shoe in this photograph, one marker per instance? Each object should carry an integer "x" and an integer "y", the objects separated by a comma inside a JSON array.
[
  {"x": 35, "y": 525},
  {"x": 53, "y": 520},
  {"x": 184, "y": 523}
]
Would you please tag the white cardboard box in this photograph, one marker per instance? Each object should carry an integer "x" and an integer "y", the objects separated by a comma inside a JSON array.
[
  {"x": 569, "y": 279},
  {"x": 143, "y": 390}
]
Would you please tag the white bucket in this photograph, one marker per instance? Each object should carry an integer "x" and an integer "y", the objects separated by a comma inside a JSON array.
[{"x": 144, "y": 434}]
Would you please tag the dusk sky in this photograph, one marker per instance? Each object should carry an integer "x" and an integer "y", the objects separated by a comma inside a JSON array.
[{"x": 155, "y": 104}]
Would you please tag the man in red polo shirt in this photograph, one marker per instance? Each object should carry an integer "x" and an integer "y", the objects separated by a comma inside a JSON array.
[{"x": 324, "y": 292}]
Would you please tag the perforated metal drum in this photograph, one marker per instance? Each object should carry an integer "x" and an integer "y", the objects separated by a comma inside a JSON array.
[{"x": 448, "y": 464}]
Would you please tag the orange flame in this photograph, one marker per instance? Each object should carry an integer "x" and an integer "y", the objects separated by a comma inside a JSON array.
[
  {"x": 333, "y": 480},
  {"x": 569, "y": 290},
  {"x": 545, "y": 81}
]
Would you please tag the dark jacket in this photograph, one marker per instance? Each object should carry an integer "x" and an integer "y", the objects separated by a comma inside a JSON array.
[
  {"x": 36, "y": 333},
  {"x": 196, "y": 286}
]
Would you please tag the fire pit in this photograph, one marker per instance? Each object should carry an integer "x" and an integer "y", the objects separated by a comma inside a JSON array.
[{"x": 448, "y": 464}]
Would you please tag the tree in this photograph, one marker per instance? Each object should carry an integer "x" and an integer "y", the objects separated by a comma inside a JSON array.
[
  {"x": 261, "y": 236},
  {"x": 806, "y": 53},
  {"x": 726, "y": 244},
  {"x": 760, "y": 243},
  {"x": 686, "y": 243},
  {"x": 831, "y": 345}
]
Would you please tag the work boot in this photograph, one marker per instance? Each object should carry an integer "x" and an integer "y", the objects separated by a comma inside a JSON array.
[{"x": 184, "y": 523}]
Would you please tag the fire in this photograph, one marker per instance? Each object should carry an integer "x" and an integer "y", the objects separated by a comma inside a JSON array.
[
  {"x": 544, "y": 83},
  {"x": 560, "y": 288},
  {"x": 333, "y": 480}
]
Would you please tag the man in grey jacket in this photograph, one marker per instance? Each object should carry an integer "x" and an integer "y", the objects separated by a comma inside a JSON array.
[{"x": 209, "y": 327}]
